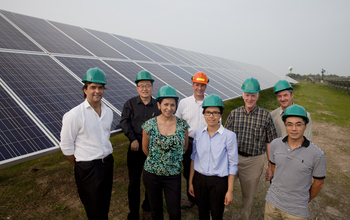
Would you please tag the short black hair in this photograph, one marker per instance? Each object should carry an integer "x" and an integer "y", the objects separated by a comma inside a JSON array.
[
  {"x": 160, "y": 99},
  {"x": 221, "y": 109},
  {"x": 137, "y": 83},
  {"x": 304, "y": 119}
]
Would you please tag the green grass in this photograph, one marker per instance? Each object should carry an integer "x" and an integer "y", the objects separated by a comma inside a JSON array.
[{"x": 324, "y": 103}]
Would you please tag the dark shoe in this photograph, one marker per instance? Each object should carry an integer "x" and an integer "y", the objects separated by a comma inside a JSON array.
[
  {"x": 187, "y": 205},
  {"x": 147, "y": 215}
]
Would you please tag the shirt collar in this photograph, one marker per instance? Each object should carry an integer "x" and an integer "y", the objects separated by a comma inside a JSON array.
[
  {"x": 139, "y": 101},
  {"x": 251, "y": 112},
  {"x": 306, "y": 142},
  {"x": 281, "y": 110},
  {"x": 196, "y": 101},
  {"x": 220, "y": 130},
  {"x": 87, "y": 105}
]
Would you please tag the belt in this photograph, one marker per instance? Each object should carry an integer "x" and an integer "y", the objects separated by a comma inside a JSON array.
[
  {"x": 105, "y": 159},
  {"x": 244, "y": 154}
]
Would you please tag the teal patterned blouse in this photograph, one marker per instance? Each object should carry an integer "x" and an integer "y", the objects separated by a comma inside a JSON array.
[{"x": 165, "y": 152}]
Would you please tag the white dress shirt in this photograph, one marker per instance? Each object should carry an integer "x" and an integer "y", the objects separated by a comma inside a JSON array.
[
  {"x": 85, "y": 134},
  {"x": 191, "y": 110}
]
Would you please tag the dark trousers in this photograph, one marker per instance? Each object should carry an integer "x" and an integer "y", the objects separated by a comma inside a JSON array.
[
  {"x": 135, "y": 162},
  {"x": 210, "y": 194},
  {"x": 187, "y": 166},
  {"x": 94, "y": 181},
  {"x": 172, "y": 191}
]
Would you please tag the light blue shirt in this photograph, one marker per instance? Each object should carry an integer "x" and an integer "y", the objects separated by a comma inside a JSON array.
[{"x": 216, "y": 155}]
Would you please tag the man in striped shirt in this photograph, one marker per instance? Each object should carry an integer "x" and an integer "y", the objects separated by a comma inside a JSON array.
[
  {"x": 295, "y": 161},
  {"x": 190, "y": 109},
  {"x": 255, "y": 130}
]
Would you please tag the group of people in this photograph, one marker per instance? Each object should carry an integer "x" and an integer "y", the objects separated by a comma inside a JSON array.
[{"x": 167, "y": 134}]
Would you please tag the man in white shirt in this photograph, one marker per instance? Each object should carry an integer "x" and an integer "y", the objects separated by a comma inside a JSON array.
[
  {"x": 85, "y": 142},
  {"x": 190, "y": 109}
]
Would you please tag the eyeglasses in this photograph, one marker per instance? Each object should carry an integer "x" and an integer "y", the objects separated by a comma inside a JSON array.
[
  {"x": 291, "y": 125},
  {"x": 207, "y": 113},
  {"x": 148, "y": 86}
]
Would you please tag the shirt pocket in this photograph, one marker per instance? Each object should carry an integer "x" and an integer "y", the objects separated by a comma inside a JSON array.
[{"x": 259, "y": 134}]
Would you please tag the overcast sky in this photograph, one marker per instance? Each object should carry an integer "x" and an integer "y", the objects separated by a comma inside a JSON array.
[{"x": 275, "y": 34}]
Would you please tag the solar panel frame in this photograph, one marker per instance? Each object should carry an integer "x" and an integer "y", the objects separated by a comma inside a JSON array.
[{"x": 144, "y": 50}]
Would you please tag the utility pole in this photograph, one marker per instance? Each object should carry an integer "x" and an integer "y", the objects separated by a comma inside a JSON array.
[{"x": 323, "y": 71}]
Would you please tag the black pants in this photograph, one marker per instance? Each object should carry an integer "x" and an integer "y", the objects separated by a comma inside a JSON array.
[
  {"x": 210, "y": 194},
  {"x": 94, "y": 181},
  {"x": 187, "y": 166},
  {"x": 135, "y": 162},
  {"x": 172, "y": 191}
]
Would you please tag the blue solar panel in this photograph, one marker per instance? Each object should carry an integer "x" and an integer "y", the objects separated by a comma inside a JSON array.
[
  {"x": 97, "y": 47},
  {"x": 45, "y": 34},
  {"x": 172, "y": 51},
  {"x": 161, "y": 52},
  {"x": 144, "y": 50},
  {"x": 11, "y": 38},
  {"x": 19, "y": 135},
  {"x": 46, "y": 88}
]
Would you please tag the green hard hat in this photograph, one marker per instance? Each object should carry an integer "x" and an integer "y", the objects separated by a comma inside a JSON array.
[
  {"x": 95, "y": 75},
  {"x": 144, "y": 75},
  {"x": 167, "y": 92},
  {"x": 213, "y": 101},
  {"x": 281, "y": 85},
  {"x": 295, "y": 110},
  {"x": 251, "y": 85}
]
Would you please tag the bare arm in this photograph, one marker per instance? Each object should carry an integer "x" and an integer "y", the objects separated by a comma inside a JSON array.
[
  {"x": 316, "y": 188},
  {"x": 273, "y": 166},
  {"x": 229, "y": 194},
  {"x": 269, "y": 174},
  {"x": 190, "y": 180},
  {"x": 71, "y": 159},
  {"x": 145, "y": 143}
]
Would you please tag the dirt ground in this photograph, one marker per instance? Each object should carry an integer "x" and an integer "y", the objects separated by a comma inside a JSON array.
[{"x": 59, "y": 198}]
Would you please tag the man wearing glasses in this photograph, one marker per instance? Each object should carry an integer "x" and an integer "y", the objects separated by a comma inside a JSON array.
[
  {"x": 136, "y": 111},
  {"x": 299, "y": 169},
  {"x": 190, "y": 109},
  {"x": 284, "y": 94},
  {"x": 255, "y": 130}
]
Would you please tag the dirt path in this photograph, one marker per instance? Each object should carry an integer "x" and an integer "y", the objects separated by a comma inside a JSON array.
[{"x": 332, "y": 202}]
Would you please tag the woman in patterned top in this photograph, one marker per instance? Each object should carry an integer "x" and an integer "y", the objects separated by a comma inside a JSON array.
[{"x": 164, "y": 142}]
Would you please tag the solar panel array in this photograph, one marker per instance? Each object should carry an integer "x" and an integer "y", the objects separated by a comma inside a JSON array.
[{"x": 42, "y": 63}]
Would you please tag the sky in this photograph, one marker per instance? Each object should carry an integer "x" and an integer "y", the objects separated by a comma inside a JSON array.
[{"x": 307, "y": 35}]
